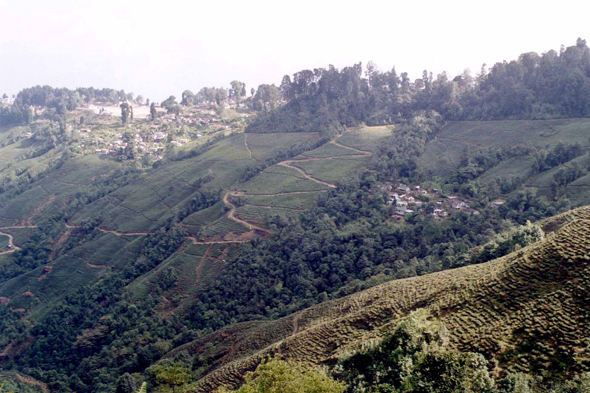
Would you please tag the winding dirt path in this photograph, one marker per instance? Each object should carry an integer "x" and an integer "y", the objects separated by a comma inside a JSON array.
[
  {"x": 289, "y": 163},
  {"x": 232, "y": 214},
  {"x": 363, "y": 153},
  {"x": 10, "y": 244}
]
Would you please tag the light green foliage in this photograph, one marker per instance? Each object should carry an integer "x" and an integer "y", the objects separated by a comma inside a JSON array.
[
  {"x": 288, "y": 377},
  {"x": 143, "y": 388},
  {"x": 333, "y": 170},
  {"x": 415, "y": 358},
  {"x": 365, "y": 138},
  {"x": 169, "y": 375},
  {"x": 504, "y": 243}
]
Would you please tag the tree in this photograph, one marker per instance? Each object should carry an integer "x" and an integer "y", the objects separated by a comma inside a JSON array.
[
  {"x": 238, "y": 90},
  {"x": 220, "y": 95},
  {"x": 280, "y": 376},
  {"x": 4, "y": 96},
  {"x": 188, "y": 98},
  {"x": 125, "y": 384},
  {"x": 124, "y": 112},
  {"x": 139, "y": 100},
  {"x": 171, "y": 374},
  {"x": 153, "y": 110},
  {"x": 169, "y": 103}
]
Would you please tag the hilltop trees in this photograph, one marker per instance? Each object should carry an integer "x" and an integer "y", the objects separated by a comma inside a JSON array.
[
  {"x": 125, "y": 112},
  {"x": 188, "y": 98},
  {"x": 170, "y": 105},
  {"x": 237, "y": 91},
  {"x": 153, "y": 110},
  {"x": 532, "y": 87},
  {"x": 267, "y": 97}
]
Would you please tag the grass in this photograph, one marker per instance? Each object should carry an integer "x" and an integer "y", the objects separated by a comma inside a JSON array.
[
  {"x": 289, "y": 201},
  {"x": 223, "y": 226},
  {"x": 277, "y": 179},
  {"x": 366, "y": 138},
  {"x": 19, "y": 235},
  {"x": 333, "y": 170},
  {"x": 485, "y": 308},
  {"x": 328, "y": 150},
  {"x": 205, "y": 216},
  {"x": 24, "y": 205},
  {"x": 263, "y": 145},
  {"x": 3, "y": 242},
  {"x": 509, "y": 169},
  {"x": 444, "y": 153},
  {"x": 261, "y": 215}
]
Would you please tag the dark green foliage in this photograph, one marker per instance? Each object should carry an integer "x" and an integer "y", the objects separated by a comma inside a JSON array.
[
  {"x": 125, "y": 384},
  {"x": 34, "y": 252},
  {"x": 415, "y": 358},
  {"x": 167, "y": 279},
  {"x": 533, "y": 87},
  {"x": 396, "y": 157},
  {"x": 560, "y": 154}
]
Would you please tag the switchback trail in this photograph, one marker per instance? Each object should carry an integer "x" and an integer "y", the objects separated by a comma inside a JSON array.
[
  {"x": 288, "y": 163},
  {"x": 232, "y": 214},
  {"x": 363, "y": 153}
]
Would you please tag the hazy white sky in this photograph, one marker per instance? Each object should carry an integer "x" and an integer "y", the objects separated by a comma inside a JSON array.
[{"x": 162, "y": 48}]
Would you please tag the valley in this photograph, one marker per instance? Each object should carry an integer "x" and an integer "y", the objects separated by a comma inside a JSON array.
[{"x": 349, "y": 228}]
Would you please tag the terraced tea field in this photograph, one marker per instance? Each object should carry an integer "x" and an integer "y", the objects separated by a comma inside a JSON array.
[
  {"x": 444, "y": 153},
  {"x": 536, "y": 295}
]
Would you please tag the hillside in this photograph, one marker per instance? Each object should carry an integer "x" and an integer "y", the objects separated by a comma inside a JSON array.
[
  {"x": 18, "y": 383},
  {"x": 222, "y": 235},
  {"x": 447, "y": 152},
  {"x": 526, "y": 312}
]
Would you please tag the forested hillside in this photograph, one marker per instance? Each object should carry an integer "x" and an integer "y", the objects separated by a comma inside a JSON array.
[
  {"x": 551, "y": 85},
  {"x": 181, "y": 244}
]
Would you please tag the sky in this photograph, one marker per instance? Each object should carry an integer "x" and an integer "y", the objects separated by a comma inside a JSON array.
[{"x": 162, "y": 48}]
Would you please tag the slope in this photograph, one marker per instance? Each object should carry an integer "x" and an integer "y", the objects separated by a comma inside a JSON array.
[{"x": 535, "y": 296}]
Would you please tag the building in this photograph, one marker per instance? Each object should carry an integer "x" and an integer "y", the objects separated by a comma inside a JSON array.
[
  {"x": 440, "y": 213},
  {"x": 158, "y": 136}
]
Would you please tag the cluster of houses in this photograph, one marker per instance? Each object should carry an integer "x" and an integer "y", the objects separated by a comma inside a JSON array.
[
  {"x": 198, "y": 115},
  {"x": 149, "y": 145},
  {"x": 406, "y": 200}
]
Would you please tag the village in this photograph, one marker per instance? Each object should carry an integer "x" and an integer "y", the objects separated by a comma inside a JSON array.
[
  {"x": 404, "y": 200},
  {"x": 151, "y": 138}
]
